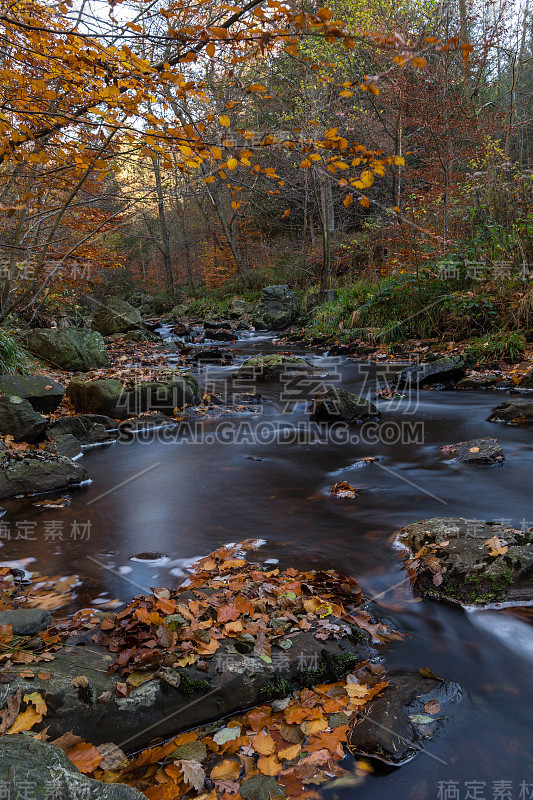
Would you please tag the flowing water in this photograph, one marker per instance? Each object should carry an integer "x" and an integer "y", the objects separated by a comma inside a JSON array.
[{"x": 185, "y": 498}]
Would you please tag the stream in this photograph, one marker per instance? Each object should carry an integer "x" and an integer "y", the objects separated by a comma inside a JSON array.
[{"x": 185, "y": 498}]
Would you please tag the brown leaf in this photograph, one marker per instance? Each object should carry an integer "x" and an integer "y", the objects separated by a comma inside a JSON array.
[
  {"x": 432, "y": 707},
  {"x": 9, "y": 713},
  {"x": 67, "y": 741},
  {"x": 112, "y": 755}
]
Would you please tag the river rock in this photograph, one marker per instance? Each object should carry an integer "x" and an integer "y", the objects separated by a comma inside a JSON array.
[
  {"x": 477, "y": 382},
  {"x": 26, "y": 621},
  {"x": 443, "y": 370},
  {"x": 85, "y": 428},
  {"x": 476, "y": 451},
  {"x": 31, "y": 769},
  {"x": 513, "y": 412},
  {"x": 18, "y": 419},
  {"x": 114, "y": 315},
  {"x": 277, "y": 308},
  {"x": 240, "y": 308},
  {"x": 398, "y": 722},
  {"x": 110, "y": 397},
  {"x": 66, "y": 445},
  {"x": 222, "y": 335},
  {"x": 43, "y": 393},
  {"x": 34, "y": 472},
  {"x": 272, "y": 367},
  {"x": 334, "y": 404},
  {"x": 169, "y": 703},
  {"x": 469, "y": 562},
  {"x": 210, "y": 355},
  {"x": 74, "y": 349}
]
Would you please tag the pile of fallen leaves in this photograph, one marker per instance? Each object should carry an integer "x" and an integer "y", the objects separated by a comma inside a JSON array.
[
  {"x": 229, "y": 600},
  {"x": 284, "y": 749}
]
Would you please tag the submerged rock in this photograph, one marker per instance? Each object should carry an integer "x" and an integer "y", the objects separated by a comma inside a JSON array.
[
  {"x": 86, "y": 428},
  {"x": 397, "y": 724},
  {"x": 469, "y": 562},
  {"x": 34, "y": 472},
  {"x": 513, "y": 412},
  {"x": 444, "y": 370},
  {"x": 75, "y": 349},
  {"x": 476, "y": 451},
  {"x": 31, "y": 768},
  {"x": 277, "y": 308},
  {"x": 18, "y": 419},
  {"x": 334, "y": 404},
  {"x": 43, "y": 393}
]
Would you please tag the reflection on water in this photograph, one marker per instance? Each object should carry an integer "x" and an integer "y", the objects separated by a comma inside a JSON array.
[{"x": 185, "y": 498}]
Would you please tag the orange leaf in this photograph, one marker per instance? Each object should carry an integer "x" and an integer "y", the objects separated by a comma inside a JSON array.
[
  {"x": 85, "y": 756},
  {"x": 269, "y": 765},
  {"x": 264, "y": 744},
  {"x": 226, "y": 771}
]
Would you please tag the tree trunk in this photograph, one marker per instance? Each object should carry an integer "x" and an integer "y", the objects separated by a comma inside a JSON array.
[{"x": 165, "y": 239}]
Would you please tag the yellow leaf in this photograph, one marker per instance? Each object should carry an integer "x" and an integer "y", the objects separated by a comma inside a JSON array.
[
  {"x": 346, "y": 93},
  {"x": 312, "y": 726},
  {"x": 209, "y": 179},
  {"x": 25, "y": 721},
  {"x": 365, "y": 202},
  {"x": 225, "y": 121},
  {"x": 348, "y": 200},
  {"x": 235, "y": 204},
  {"x": 36, "y": 700},
  {"x": 315, "y": 157},
  {"x": 257, "y": 87},
  {"x": 330, "y": 133},
  {"x": 216, "y": 151},
  {"x": 232, "y": 163},
  {"x": 289, "y": 752},
  {"x": 210, "y": 49},
  {"x": 286, "y": 213}
]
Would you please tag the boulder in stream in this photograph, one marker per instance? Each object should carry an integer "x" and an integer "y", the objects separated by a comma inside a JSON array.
[
  {"x": 278, "y": 306},
  {"x": 110, "y": 397},
  {"x": 74, "y": 349},
  {"x": 334, "y": 404},
  {"x": 513, "y": 412},
  {"x": 476, "y": 451},
  {"x": 31, "y": 768},
  {"x": 274, "y": 366},
  {"x": 469, "y": 562},
  {"x": 446, "y": 371},
  {"x": 397, "y": 724},
  {"x": 18, "y": 419},
  {"x": 114, "y": 315},
  {"x": 43, "y": 393},
  {"x": 35, "y": 471}
]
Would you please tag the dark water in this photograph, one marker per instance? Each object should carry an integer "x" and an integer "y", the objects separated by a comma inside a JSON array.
[{"x": 185, "y": 498}]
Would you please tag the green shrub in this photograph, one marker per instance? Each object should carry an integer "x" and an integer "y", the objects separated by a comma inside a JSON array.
[
  {"x": 503, "y": 345},
  {"x": 13, "y": 357}
]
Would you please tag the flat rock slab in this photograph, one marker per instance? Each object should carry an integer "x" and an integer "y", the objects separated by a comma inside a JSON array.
[
  {"x": 274, "y": 367},
  {"x": 397, "y": 724},
  {"x": 469, "y": 562},
  {"x": 35, "y": 472},
  {"x": 43, "y": 393},
  {"x": 513, "y": 412},
  {"x": 175, "y": 699},
  {"x": 476, "y": 451},
  {"x": 36, "y": 770}
]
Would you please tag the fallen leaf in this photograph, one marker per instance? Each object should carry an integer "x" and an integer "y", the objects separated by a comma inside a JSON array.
[
  {"x": 432, "y": 707},
  {"x": 193, "y": 773},
  {"x": 85, "y": 756}
]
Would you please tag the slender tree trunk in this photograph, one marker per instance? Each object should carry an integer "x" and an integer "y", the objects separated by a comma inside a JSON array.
[{"x": 165, "y": 239}]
